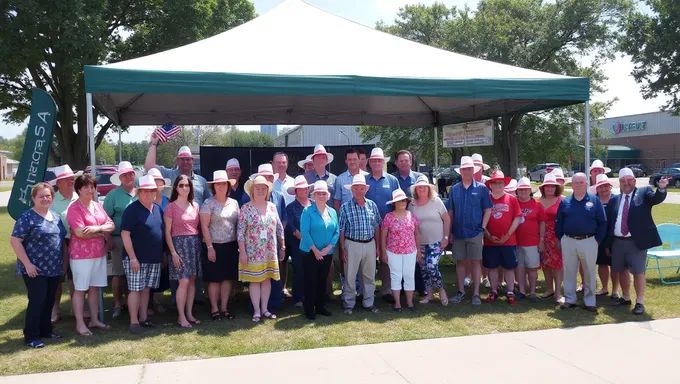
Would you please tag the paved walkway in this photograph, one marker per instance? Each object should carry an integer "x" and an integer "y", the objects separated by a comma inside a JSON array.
[{"x": 644, "y": 352}]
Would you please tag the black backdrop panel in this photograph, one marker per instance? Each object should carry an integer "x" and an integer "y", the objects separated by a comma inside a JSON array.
[{"x": 215, "y": 158}]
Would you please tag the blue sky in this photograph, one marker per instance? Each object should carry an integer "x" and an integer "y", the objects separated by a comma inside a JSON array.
[{"x": 368, "y": 12}]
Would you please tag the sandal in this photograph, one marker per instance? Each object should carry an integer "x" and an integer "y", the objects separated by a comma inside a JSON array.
[
  {"x": 216, "y": 316},
  {"x": 425, "y": 301},
  {"x": 228, "y": 315},
  {"x": 86, "y": 333},
  {"x": 602, "y": 293},
  {"x": 269, "y": 315},
  {"x": 397, "y": 310},
  {"x": 188, "y": 326},
  {"x": 194, "y": 322},
  {"x": 547, "y": 296},
  {"x": 146, "y": 324},
  {"x": 444, "y": 300},
  {"x": 100, "y": 326},
  {"x": 256, "y": 318}
]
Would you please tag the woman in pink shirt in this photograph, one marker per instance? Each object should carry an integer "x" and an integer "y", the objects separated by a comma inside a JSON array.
[
  {"x": 182, "y": 221},
  {"x": 90, "y": 226},
  {"x": 400, "y": 239}
]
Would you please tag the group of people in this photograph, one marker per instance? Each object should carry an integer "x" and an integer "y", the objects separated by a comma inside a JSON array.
[{"x": 361, "y": 222}]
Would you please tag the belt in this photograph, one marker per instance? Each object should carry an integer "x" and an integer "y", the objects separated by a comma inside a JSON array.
[
  {"x": 579, "y": 237},
  {"x": 360, "y": 241},
  {"x": 624, "y": 238}
]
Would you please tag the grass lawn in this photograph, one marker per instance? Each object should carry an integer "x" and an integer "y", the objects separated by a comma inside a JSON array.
[
  {"x": 5, "y": 189},
  {"x": 167, "y": 342}
]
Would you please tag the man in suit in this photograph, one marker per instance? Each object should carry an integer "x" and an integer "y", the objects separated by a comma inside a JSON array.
[{"x": 631, "y": 232}]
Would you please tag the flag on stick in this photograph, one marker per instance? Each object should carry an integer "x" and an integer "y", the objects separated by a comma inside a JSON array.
[{"x": 167, "y": 131}]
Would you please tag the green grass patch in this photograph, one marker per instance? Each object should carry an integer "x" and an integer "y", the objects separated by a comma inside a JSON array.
[
  {"x": 5, "y": 189},
  {"x": 167, "y": 342}
]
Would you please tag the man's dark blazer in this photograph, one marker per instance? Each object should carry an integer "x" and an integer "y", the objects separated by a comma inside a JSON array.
[{"x": 640, "y": 222}]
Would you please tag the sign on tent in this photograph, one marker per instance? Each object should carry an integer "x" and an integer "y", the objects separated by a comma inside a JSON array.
[{"x": 473, "y": 134}]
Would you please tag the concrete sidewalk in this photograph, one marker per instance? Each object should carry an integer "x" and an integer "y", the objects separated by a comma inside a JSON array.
[{"x": 644, "y": 352}]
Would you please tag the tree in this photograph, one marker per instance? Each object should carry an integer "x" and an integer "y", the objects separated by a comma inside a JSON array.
[
  {"x": 105, "y": 154},
  {"x": 546, "y": 36},
  {"x": 236, "y": 138},
  {"x": 652, "y": 41},
  {"x": 45, "y": 44}
]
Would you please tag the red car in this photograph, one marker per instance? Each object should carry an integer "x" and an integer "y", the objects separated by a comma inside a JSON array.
[{"x": 103, "y": 178}]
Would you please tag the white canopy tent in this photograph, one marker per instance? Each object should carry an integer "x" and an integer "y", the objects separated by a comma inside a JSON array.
[{"x": 298, "y": 64}]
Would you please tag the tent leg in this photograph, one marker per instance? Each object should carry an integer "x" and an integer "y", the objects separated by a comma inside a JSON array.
[
  {"x": 436, "y": 146},
  {"x": 93, "y": 171},
  {"x": 586, "y": 129}
]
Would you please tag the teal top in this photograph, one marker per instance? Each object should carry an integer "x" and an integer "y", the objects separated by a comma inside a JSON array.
[
  {"x": 115, "y": 203},
  {"x": 60, "y": 205},
  {"x": 317, "y": 231}
]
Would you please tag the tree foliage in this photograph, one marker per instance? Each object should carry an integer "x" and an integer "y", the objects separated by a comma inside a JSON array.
[
  {"x": 46, "y": 44},
  {"x": 652, "y": 41},
  {"x": 554, "y": 37}
]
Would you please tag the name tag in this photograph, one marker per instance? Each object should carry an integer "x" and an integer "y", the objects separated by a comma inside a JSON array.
[
  {"x": 263, "y": 235},
  {"x": 386, "y": 185}
]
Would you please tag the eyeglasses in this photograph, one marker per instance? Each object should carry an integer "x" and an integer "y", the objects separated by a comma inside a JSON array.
[
  {"x": 48, "y": 197},
  {"x": 183, "y": 185}
]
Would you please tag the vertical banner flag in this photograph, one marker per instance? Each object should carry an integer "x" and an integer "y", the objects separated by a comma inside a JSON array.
[{"x": 33, "y": 160}]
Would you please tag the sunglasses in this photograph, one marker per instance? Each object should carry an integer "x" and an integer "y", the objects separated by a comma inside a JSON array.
[{"x": 182, "y": 185}]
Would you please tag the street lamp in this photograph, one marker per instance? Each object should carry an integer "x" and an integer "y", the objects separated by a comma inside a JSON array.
[{"x": 344, "y": 134}]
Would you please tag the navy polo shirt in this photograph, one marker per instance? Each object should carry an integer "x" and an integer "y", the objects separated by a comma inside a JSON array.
[
  {"x": 380, "y": 191},
  {"x": 581, "y": 217},
  {"x": 146, "y": 231}
]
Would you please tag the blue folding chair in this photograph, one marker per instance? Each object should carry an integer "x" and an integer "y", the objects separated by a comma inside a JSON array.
[{"x": 669, "y": 250}]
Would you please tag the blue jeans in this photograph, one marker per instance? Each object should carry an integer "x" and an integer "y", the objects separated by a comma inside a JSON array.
[{"x": 298, "y": 273}]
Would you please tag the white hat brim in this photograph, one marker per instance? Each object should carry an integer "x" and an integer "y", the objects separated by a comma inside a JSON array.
[
  {"x": 115, "y": 178},
  {"x": 476, "y": 167},
  {"x": 74, "y": 175},
  {"x": 412, "y": 189},
  {"x": 230, "y": 181},
  {"x": 398, "y": 199},
  {"x": 349, "y": 186},
  {"x": 329, "y": 157},
  {"x": 385, "y": 159},
  {"x": 291, "y": 190},
  {"x": 302, "y": 163}
]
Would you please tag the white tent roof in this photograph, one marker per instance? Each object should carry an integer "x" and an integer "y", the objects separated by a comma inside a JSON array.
[{"x": 299, "y": 64}]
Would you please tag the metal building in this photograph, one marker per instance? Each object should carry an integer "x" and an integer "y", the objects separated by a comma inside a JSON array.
[
  {"x": 271, "y": 130},
  {"x": 328, "y": 135}
]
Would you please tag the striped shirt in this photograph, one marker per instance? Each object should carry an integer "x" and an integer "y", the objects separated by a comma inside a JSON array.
[{"x": 359, "y": 223}]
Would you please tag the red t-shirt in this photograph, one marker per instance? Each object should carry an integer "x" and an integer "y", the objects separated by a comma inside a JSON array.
[
  {"x": 503, "y": 212},
  {"x": 533, "y": 213}
]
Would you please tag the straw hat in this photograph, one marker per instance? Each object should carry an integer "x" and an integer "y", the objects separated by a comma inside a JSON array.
[
  {"x": 158, "y": 176},
  {"x": 358, "y": 180},
  {"x": 549, "y": 179},
  {"x": 511, "y": 187},
  {"x": 147, "y": 182},
  {"x": 233, "y": 163},
  {"x": 558, "y": 173},
  {"x": 467, "y": 162},
  {"x": 321, "y": 150},
  {"x": 320, "y": 186},
  {"x": 602, "y": 179},
  {"x": 64, "y": 172},
  {"x": 624, "y": 173},
  {"x": 265, "y": 170},
  {"x": 184, "y": 151},
  {"x": 423, "y": 181},
  {"x": 525, "y": 183},
  {"x": 220, "y": 176},
  {"x": 497, "y": 175},
  {"x": 248, "y": 187},
  {"x": 123, "y": 168},
  {"x": 397, "y": 195},
  {"x": 377, "y": 153},
  {"x": 477, "y": 159},
  {"x": 299, "y": 183},
  {"x": 597, "y": 164},
  {"x": 306, "y": 160}
]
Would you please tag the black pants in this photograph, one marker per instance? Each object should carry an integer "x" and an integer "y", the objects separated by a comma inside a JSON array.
[
  {"x": 41, "y": 292},
  {"x": 315, "y": 274},
  {"x": 420, "y": 284}
]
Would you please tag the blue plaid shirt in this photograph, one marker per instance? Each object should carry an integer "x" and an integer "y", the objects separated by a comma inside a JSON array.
[{"x": 357, "y": 222}]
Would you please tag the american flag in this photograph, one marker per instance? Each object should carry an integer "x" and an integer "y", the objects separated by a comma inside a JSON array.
[{"x": 167, "y": 131}]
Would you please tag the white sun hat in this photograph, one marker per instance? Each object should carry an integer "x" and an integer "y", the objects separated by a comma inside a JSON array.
[
  {"x": 511, "y": 187},
  {"x": 423, "y": 181},
  {"x": 377, "y": 153},
  {"x": 158, "y": 176},
  {"x": 602, "y": 179},
  {"x": 321, "y": 150},
  {"x": 357, "y": 180},
  {"x": 147, "y": 182},
  {"x": 300, "y": 182},
  {"x": 467, "y": 162},
  {"x": 478, "y": 160},
  {"x": 123, "y": 168},
  {"x": 320, "y": 186},
  {"x": 397, "y": 195},
  {"x": 265, "y": 170},
  {"x": 184, "y": 151},
  {"x": 250, "y": 184},
  {"x": 626, "y": 173},
  {"x": 598, "y": 164},
  {"x": 220, "y": 176},
  {"x": 525, "y": 183},
  {"x": 304, "y": 161},
  {"x": 64, "y": 172},
  {"x": 233, "y": 163}
]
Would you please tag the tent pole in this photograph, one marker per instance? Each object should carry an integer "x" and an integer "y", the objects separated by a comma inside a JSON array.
[
  {"x": 436, "y": 146},
  {"x": 93, "y": 171},
  {"x": 120, "y": 145},
  {"x": 586, "y": 128}
]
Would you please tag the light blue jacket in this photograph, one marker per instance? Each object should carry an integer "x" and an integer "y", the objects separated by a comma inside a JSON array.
[{"x": 315, "y": 232}]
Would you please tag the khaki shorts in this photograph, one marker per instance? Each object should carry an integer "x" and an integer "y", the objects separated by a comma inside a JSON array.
[
  {"x": 528, "y": 256},
  {"x": 468, "y": 248},
  {"x": 117, "y": 257}
]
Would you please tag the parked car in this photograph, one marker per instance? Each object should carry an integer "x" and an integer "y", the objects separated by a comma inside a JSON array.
[
  {"x": 673, "y": 175},
  {"x": 103, "y": 178},
  {"x": 538, "y": 172},
  {"x": 446, "y": 177},
  {"x": 640, "y": 170},
  {"x": 674, "y": 165}
]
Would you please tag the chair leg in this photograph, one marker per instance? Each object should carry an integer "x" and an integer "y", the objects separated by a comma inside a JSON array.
[{"x": 658, "y": 268}]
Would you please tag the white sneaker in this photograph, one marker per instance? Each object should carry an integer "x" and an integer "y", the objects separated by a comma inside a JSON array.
[
  {"x": 467, "y": 282},
  {"x": 486, "y": 282}
]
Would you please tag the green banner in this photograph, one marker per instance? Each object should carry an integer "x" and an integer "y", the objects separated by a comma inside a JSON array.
[{"x": 33, "y": 160}]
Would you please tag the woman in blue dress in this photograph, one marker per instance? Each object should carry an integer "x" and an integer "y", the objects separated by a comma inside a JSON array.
[
  {"x": 37, "y": 241},
  {"x": 162, "y": 201}
]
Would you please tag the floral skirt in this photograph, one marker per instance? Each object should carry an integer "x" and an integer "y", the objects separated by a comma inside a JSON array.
[{"x": 189, "y": 250}]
